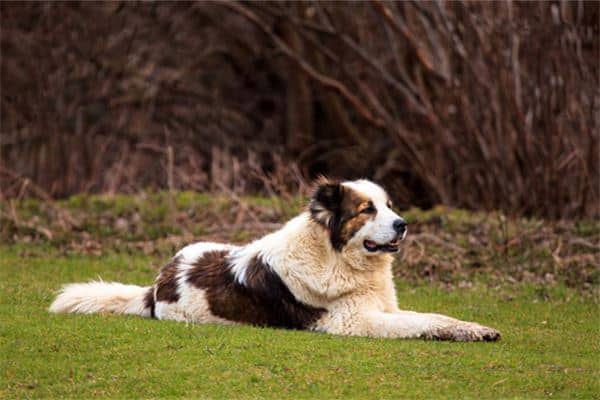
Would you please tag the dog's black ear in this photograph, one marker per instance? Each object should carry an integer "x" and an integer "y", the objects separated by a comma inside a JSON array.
[{"x": 326, "y": 201}]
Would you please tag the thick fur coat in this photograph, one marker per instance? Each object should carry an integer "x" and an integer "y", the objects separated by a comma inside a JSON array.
[{"x": 329, "y": 270}]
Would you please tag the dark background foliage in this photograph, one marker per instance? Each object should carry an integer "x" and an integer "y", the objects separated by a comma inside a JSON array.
[{"x": 483, "y": 105}]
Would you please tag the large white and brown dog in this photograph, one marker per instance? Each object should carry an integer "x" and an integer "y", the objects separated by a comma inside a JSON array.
[{"x": 329, "y": 270}]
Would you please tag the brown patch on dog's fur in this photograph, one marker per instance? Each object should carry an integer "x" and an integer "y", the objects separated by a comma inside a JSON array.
[
  {"x": 325, "y": 202},
  {"x": 338, "y": 207},
  {"x": 149, "y": 301},
  {"x": 352, "y": 218},
  {"x": 263, "y": 299},
  {"x": 166, "y": 283}
]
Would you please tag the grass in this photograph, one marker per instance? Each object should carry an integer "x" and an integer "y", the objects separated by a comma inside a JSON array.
[
  {"x": 549, "y": 348},
  {"x": 536, "y": 281},
  {"x": 445, "y": 245}
]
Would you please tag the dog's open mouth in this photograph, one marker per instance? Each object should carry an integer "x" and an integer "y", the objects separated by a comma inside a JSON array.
[{"x": 390, "y": 247}]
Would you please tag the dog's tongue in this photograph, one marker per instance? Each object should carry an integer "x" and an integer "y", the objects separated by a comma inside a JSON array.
[{"x": 371, "y": 245}]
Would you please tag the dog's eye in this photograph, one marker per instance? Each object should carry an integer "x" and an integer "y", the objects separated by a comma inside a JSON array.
[
  {"x": 370, "y": 209},
  {"x": 389, "y": 204}
]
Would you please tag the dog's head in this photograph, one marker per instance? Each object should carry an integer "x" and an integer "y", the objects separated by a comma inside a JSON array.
[{"x": 358, "y": 214}]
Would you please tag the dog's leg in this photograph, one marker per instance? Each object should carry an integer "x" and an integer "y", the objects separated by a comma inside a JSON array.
[
  {"x": 408, "y": 324},
  {"x": 441, "y": 327}
]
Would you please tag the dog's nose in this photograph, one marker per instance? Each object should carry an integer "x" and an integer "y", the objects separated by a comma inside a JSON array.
[{"x": 399, "y": 226}]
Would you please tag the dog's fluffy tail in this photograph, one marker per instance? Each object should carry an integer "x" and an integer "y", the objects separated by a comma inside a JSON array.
[{"x": 103, "y": 297}]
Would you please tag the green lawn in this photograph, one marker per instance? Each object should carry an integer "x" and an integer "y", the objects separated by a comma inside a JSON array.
[{"x": 550, "y": 345}]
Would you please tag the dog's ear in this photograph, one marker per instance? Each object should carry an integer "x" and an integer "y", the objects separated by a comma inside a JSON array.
[{"x": 326, "y": 201}]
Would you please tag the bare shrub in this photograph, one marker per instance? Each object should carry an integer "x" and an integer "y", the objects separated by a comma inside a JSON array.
[{"x": 484, "y": 105}]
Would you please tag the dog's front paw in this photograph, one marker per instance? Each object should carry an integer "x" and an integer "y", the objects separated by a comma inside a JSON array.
[{"x": 464, "y": 332}]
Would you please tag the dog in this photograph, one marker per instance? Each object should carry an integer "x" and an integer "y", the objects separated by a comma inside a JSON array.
[{"x": 329, "y": 269}]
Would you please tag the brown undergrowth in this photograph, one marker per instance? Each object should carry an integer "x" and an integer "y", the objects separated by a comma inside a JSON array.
[
  {"x": 473, "y": 104},
  {"x": 446, "y": 246}
]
